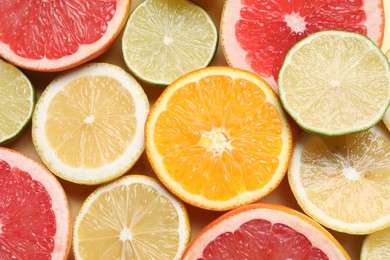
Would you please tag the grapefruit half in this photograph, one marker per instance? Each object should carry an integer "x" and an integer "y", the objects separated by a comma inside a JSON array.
[
  {"x": 58, "y": 34},
  {"x": 256, "y": 35},
  {"x": 35, "y": 220},
  {"x": 264, "y": 231}
]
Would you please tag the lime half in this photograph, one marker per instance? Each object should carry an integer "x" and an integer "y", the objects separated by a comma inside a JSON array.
[
  {"x": 386, "y": 117},
  {"x": 165, "y": 39},
  {"x": 17, "y": 100},
  {"x": 335, "y": 82}
]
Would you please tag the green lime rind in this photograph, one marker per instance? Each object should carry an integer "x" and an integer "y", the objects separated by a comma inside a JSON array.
[
  {"x": 166, "y": 39},
  {"x": 17, "y": 102},
  {"x": 287, "y": 76}
]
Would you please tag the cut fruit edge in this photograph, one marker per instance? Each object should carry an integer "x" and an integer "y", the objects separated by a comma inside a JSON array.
[
  {"x": 163, "y": 83},
  {"x": 86, "y": 52},
  {"x": 234, "y": 59},
  {"x": 232, "y": 220},
  {"x": 311, "y": 209},
  {"x": 86, "y": 175},
  {"x": 295, "y": 115},
  {"x": 26, "y": 122},
  {"x": 156, "y": 159},
  {"x": 377, "y": 241},
  {"x": 184, "y": 228},
  {"x": 60, "y": 204}
]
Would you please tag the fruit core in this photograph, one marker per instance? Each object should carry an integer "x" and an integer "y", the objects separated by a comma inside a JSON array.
[
  {"x": 167, "y": 40},
  {"x": 295, "y": 22},
  {"x": 216, "y": 141}
]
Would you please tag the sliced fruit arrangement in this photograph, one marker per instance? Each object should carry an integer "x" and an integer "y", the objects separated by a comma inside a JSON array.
[
  {"x": 35, "y": 220},
  {"x": 343, "y": 182},
  {"x": 264, "y": 231},
  {"x": 218, "y": 138},
  {"x": 88, "y": 125},
  {"x": 133, "y": 217},
  {"x": 165, "y": 39},
  {"x": 58, "y": 35},
  {"x": 17, "y": 101},
  {"x": 335, "y": 82},
  {"x": 256, "y": 35},
  {"x": 376, "y": 245}
]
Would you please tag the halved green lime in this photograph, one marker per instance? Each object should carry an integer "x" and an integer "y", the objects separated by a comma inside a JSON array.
[
  {"x": 335, "y": 83},
  {"x": 165, "y": 39},
  {"x": 17, "y": 100}
]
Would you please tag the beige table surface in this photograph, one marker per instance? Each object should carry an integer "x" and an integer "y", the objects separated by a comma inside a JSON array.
[{"x": 198, "y": 217}]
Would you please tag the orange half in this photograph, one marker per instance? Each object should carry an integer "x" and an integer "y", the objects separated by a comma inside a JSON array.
[{"x": 218, "y": 138}]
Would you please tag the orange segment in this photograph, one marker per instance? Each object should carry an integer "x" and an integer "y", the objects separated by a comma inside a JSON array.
[{"x": 218, "y": 138}]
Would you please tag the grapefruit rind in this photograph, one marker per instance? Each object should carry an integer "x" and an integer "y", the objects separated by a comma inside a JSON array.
[
  {"x": 133, "y": 32},
  {"x": 109, "y": 171},
  {"x": 32, "y": 100},
  {"x": 315, "y": 212},
  {"x": 184, "y": 228},
  {"x": 311, "y": 127},
  {"x": 232, "y": 220},
  {"x": 156, "y": 159},
  {"x": 85, "y": 52},
  {"x": 60, "y": 205}
]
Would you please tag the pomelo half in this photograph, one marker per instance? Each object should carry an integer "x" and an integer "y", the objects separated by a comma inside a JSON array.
[
  {"x": 58, "y": 34},
  {"x": 256, "y": 35},
  {"x": 35, "y": 220}
]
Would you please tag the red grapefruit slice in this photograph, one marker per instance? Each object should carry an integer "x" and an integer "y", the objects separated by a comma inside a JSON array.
[
  {"x": 35, "y": 220},
  {"x": 58, "y": 34},
  {"x": 256, "y": 35},
  {"x": 264, "y": 231}
]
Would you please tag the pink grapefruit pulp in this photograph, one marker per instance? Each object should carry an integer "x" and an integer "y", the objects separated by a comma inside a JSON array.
[
  {"x": 56, "y": 35},
  {"x": 264, "y": 231},
  {"x": 35, "y": 220},
  {"x": 256, "y": 35}
]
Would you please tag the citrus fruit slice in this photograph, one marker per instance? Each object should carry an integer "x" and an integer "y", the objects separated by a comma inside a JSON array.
[
  {"x": 335, "y": 82},
  {"x": 17, "y": 101},
  {"x": 218, "y": 138},
  {"x": 256, "y": 35},
  {"x": 133, "y": 217},
  {"x": 386, "y": 117},
  {"x": 165, "y": 39},
  {"x": 264, "y": 231},
  {"x": 376, "y": 245},
  {"x": 343, "y": 181},
  {"x": 88, "y": 124},
  {"x": 58, "y": 35},
  {"x": 35, "y": 220}
]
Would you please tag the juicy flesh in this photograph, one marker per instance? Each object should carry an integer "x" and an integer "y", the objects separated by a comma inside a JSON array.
[
  {"x": 37, "y": 29},
  {"x": 325, "y": 173},
  {"x": 268, "y": 29},
  {"x": 219, "y": 137},
  {"x": 378, "y": 244},
  {"x": 261, "y": 239},
  {"x": 91, "y": 122},
  {"x": 27, "y": 221},
  {"x": 344, "y": 86},
  {"x": 169, "y": 38},
  {"x": 15, "y": 100},
  {"x": 129, "y": 222}
]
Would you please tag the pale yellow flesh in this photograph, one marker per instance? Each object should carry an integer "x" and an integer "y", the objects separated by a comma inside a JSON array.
[
  {"x": 165, "y": 39},
  {"x": 376, "y": 246},
  {"x": 91, "y": 122},
  {"x": 336, "y": 84},
  {"x": 129, "y": 222},
  {"x": 345, "y": 179},
  {"x": 16, "y": 100}
]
